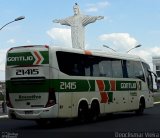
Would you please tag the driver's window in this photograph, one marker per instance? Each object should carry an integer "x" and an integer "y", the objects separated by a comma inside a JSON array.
[{"x": 148, "y": 76}]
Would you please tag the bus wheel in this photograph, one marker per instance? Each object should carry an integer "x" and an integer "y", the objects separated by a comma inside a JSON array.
[
  {"x": 94, "y": 111},
  {"x": 83, "y": 112},
  {"x": 141, "y": 107}
]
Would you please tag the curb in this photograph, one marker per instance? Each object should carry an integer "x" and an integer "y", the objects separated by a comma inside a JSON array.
[
  {"x": 3, "y": 116},
  {"x": 156, "y": 103}
]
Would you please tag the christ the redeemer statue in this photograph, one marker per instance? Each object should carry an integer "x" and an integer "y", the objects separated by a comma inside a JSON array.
[{"x": 78, "y": 23}]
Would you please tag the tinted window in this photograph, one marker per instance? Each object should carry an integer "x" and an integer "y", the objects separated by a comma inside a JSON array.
[
  {"x": 117, "y": 68},
  {"x": 124, "y": 68},
  {"x": 158, "y": 73},
  {"x": 106, "y": 67},
  {"x": 87, "y": 65},
  {"x": 157, "y": 67},
  {"x": 94, "y": 65},
  {"x": 130, "y": 69},
  {"x": 71, "y": 64},
  {"x": 138, "y": 71}
]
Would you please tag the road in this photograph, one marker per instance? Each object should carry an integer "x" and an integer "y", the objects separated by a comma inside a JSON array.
[{"x": 117, "y": 125}]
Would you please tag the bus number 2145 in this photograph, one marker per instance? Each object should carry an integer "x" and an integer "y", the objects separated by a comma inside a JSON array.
[
  {"x": 68, "y": 85},
  {"x": 27, "y": 71}
]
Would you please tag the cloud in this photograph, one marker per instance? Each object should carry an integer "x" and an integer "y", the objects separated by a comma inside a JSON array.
[
  {"x": 2, "y": 59},
  {"x": 61, "y": 35},
  {"x": 119, "y": 41},
  {"x": 123, "y": 42},
  {"x": 11, "y": 41},
  {"x": 94, "y": 7},
  {"x": 28, "y": 41},
  {"x": 147, "y": 54}
]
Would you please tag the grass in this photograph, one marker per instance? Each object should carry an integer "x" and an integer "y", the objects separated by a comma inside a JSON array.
[{"x": 156, "y": 99}]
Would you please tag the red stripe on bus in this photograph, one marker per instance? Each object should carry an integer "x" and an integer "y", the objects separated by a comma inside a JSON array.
[
  {"x": 39, "y": 58},
  {"x": 113, "y": 85},
  {"x": 104, "y": 97},
  {"x": 101, "y": 87}
]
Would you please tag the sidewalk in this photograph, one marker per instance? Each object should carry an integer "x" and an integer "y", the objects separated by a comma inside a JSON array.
[{"x": 2, "y": 114}]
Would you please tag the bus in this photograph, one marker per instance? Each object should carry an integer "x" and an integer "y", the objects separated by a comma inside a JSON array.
[{"x": 44, "y": 83}]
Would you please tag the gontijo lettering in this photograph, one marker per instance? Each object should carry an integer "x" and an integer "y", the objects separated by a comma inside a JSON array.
[
  {"x": 129, "y": 85},
  {"x": 21, "y": 58},
  {"x": 28, "y": 58}
]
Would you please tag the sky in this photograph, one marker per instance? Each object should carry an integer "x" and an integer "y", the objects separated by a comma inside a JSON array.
[{"x": 126, "y": 23}]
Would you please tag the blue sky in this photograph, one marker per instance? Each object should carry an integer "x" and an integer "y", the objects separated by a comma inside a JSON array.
[{"x": 126, "y": 24}]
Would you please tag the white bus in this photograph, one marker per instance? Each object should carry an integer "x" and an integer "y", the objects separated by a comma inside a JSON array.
[{"x": 44, "y": 83}]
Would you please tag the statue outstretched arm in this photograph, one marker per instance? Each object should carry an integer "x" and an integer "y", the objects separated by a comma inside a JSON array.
[
  {"x": 62, "y": 21},
  {"x": 91, "y": 19},
  {"x": 100, "y": 17},
  {"x": 56, "y": 21}
]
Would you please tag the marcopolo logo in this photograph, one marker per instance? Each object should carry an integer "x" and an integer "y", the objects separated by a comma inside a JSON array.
[{"x": 28, "y": 58}]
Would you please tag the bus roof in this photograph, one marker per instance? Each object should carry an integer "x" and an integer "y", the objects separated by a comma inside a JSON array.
[
  {"x": 100, "y": 53},
  {"x": 90, "y": 52}
]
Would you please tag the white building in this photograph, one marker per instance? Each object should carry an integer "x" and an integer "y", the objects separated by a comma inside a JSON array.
[{"x": 156, "y": 67}]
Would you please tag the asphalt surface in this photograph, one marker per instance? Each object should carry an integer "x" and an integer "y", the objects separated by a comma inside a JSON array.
[{"x": 118, "y": 125}]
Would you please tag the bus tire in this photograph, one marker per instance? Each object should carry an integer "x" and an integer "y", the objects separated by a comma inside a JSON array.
[
  {"x": 141, "y": 107},
  {"x": 94, "y": 110},
  {"x": 83, "y": 111}
]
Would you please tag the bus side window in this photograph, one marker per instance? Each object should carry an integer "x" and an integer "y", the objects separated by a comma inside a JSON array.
[
  {"x": 106, "y": 66},
  {"x": 138, "y": 71},
  {"x": 69, "y": 65},
  {"x": 96, "y": 71},
  {"x": 124, "y": 67},
  {"x": 130, "y": 69},
  {"x": 88, "y": 65},
  {"x": 101, "y": 69},
  {"x": 117, "y": 68}
]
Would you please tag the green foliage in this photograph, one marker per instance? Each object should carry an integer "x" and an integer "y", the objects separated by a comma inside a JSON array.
[{"x": 1, "y": 97}]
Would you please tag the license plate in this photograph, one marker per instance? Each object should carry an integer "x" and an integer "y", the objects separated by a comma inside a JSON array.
[{"x": 28, "y": 112}]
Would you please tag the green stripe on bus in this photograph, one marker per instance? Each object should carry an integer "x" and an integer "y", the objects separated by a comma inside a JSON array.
[
  {"x": 107, "y": 85},
  {"x": 26, "y": 58},
  {"x": 45, "y": 55},
  {"x": 27, "y": 87},
  {"x": 92, "y": 85},
  {"x": 110, "y": 96},
  {"x": 69, "y": 85},
  {"x": 127, "y": 85}
]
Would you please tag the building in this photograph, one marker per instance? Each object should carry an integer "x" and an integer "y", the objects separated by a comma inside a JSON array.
[
  {"x": 156, "y": 67},
  {"x": 2, "y": 90}
]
